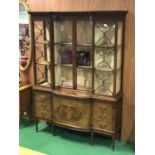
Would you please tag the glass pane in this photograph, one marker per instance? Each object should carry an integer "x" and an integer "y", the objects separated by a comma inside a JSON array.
[
  {"x": 84, "y": 56},
  {"x": 42, "y": 51},
  {"x": 104, "y": 34},
  {"x": 42, "y": 54},
  {"x": 118, "y": 81},
  {"x": 63, "y": 66},
  {"x": 119, "y": 55},
  {"x": 38, "y": 31},
  {"x": 63, "y": 32},
  {"x": 84, "y": 78},
  {"x": 119, "y": 44},
  {"x": 84, "y": 32},
  {"x": 119, "y": 33},
  {"x": 63, "y": 53},
  {"x": 103, "y": 84},
  {"x": 84, "y": 67},
  {"x": 104, "y": 58},
  {"x": 43, "y": 75}
]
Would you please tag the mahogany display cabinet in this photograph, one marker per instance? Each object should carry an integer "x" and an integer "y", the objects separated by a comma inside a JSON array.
[{"x": 78, "y": 66}]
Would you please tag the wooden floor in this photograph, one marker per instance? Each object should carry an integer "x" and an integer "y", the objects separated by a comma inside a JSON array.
[{"x": 25, "y": 151}]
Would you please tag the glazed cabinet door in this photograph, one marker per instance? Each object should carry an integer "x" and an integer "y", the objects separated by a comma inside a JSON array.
[
  {"x": 108, "y": 46},
  {"x": 63, "y": 53},
  {"x": 42, "y": 105},
  {"x": 42, "y": 51},
  {"x": 84, "y": 48}
]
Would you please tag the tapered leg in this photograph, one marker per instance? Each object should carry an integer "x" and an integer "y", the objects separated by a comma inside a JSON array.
[
  {"x": 113, "y": 142},
  {"x": 119, "y": 138},
  {"x": 53, "y": 129},
  {"x": 20, "y": 118},
  {"x": 92, "y": 137},
  {"x": 36, "y": 125}
]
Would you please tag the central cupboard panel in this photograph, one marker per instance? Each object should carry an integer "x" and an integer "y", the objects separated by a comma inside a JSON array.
[{"x": 74, "y": 113}]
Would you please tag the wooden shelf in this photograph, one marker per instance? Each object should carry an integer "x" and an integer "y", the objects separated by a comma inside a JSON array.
[
  {"x": 84, "y": 44},
  {"x": 65, "y": 43},
  {"x": 102, "y": 69},
  {"x": 84, "y": 67},
  {"x": 104, "y": 46},
  {"x": 44, "y": 63},
  {"x": 107, "y": 70},
  {"x": 66, "y": 65},
  {"x": 42, "y": 42},
  {"x": 45, "y": 84}
]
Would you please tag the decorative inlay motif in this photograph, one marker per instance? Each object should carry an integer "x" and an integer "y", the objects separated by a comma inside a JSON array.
[
  {"x": 42, "y": 105},
  {"x": 43, "y": 98},
  {"x": 69, "y": 113},
  {"x": 103, "y": 125},
  {"x": 102, "y": 114}
]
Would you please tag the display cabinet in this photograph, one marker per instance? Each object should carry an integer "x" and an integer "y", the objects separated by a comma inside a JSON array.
[{"x": 77, "y": 59}]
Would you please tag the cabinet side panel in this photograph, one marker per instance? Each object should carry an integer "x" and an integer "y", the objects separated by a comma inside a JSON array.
[
  {"x": 118, "y": 115},
  {"x": 102, "y": 116},
  {"x": 42, "y": 105}
]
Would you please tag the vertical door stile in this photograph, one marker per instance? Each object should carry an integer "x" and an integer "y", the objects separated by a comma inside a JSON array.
[{"x": 74, "y": 47}]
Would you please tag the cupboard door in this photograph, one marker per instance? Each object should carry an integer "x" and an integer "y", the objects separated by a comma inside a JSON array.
[
  {"x": 103, "y": 116},
  {"x": 72, "y": 112},
  {"x": 42, "y": 105}
]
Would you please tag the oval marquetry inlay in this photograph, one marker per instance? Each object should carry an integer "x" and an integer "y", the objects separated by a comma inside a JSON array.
[{"x": 69, "y": 113}]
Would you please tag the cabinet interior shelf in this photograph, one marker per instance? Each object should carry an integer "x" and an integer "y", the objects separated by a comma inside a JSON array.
[
  {"x": 105, "y": 46},
  {"x": 84, "y": 44},
  {"x": 43, "y": 63},
  {"x": 78, "y": 66},
  {"x": 63, "y": 43},
  {"x": 106, "y": 70},
  {"x": 66, "y": 65},
  {"x": 103, "y": 69},
  {"x": 84, "y": 67},
  {"x": 42, "y": 42},
  {"x": 45, "y": 84}
]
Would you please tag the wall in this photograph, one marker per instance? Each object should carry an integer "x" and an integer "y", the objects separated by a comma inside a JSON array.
[{"x": 128, "y": 78}]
